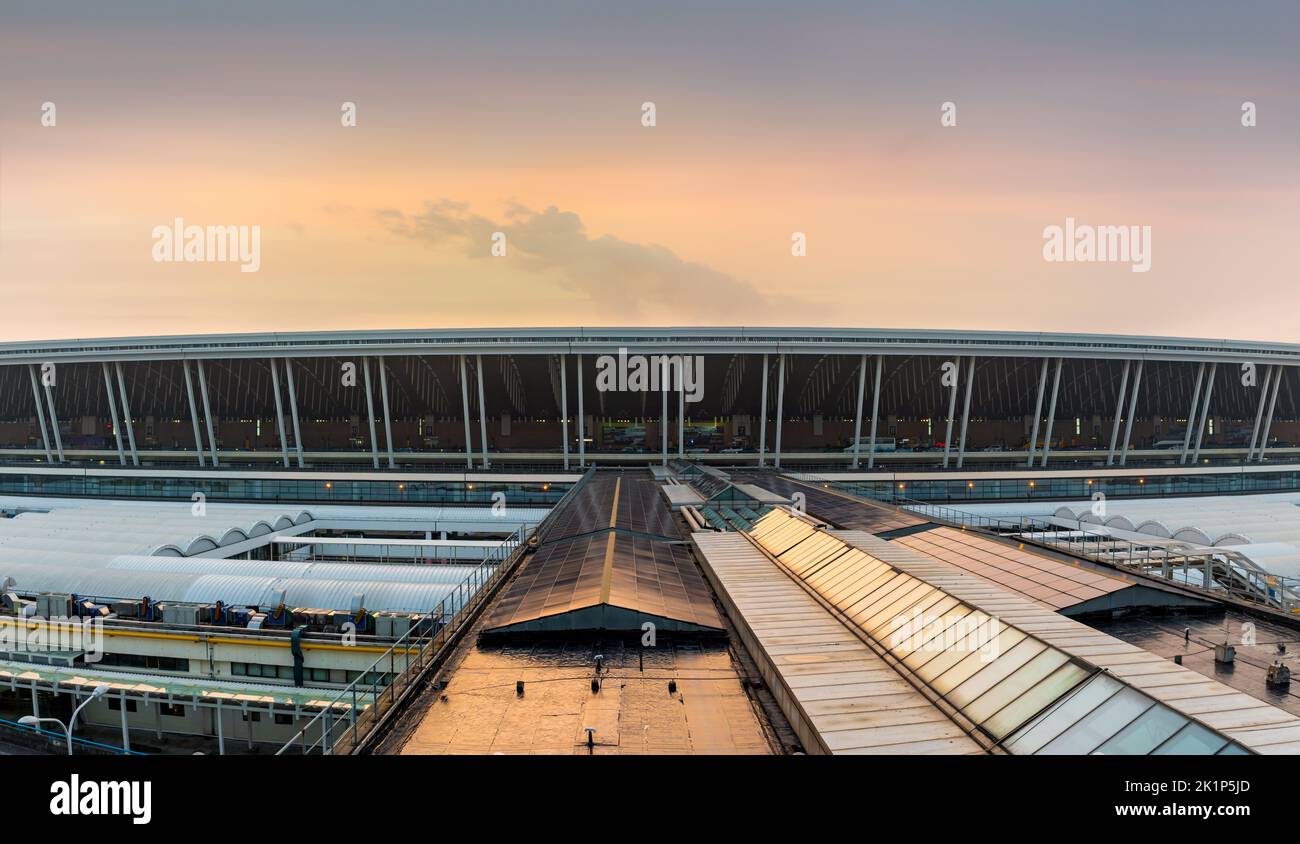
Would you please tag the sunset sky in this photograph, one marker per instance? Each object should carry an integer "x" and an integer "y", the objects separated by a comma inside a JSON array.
[{"x": 772, "y": 118}]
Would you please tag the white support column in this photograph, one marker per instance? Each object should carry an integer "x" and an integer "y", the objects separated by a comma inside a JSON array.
[
  {"x": 564, "y": 406},
  {"x": 40, "y": 413},
  {"x": 1205, "y": 412},
  {"x": 221, "y": 731},
  {"x": 1132, "y": 411},
  {"x": 464, "y": 402},
  {"x": 582, "y": 422},
  {"x": 54, "y": 423},
  {"x": 126, "y": 730},
  {"x": 1119, "y": 411},
  {"x": 965, "y": 411},
  {"x": 1191, "y": 414},
  {"x": 388, "y": 421},
  {"x": 112, "y": 410},
  {"x": 207, "y": 413},
  {"x": 482, "y": 410},
  {"x": 293, "y": 409},
  {"x": 1038, "y": 412},
  {"x": 857, "y": 418},
  {"x": 130, "y": 422},
  {"x": 875, "y": 410},
  {"x": 780, "y": 408},
  {"x": 279, "y": 411},
  {"x": 1051, "y": 412},
  {"x": 952, "y": 408},
  {"x": 194, "y": 413},
  {"x": 370, "y": 413},
  {"x": 1259, "y": 411},
  {"x": 681, "y": 416},
  {"x": 762, "y": 418},
  {"x": 663, "y": 414},
  {"x": 1268, "y": 420}
]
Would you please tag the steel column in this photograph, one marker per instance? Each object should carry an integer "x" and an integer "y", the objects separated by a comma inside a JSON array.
[
  {"x": 1119, "y": 411},
  {"x": 1205, "y": 412},
  {"x": 1191, "y": 414},
  {"x": 952, "y": 408},
  {"x": 388, "y": 421},
  {"x": 582, "y": 422},
  {"x": 564, "y": 406},
  {"x": 857, "y": 419},
  {"x": 1038, "y": 411},
  {"x": 681, "y": 417},
  {"x": 1272, "y": 403},
  {"x": 130, "y": 422},
  {"x": 293, "y": 409},
  {"x": 762, "y": 417},
  {"x": 112, "y": 410},
  {"x": 1132, "y": 411},
  {"x": 207, "y": 412},
  {"x": 965, "y": 412},
  {"x": 663, "y": 414},
  {"x": 482, "y": 410},
  {"x": 126, "y": 732},
  {"x": 1259, "y": 412},
  {"x": 1051, "y": 413},
  {"x": 279, "y": 412},
  {"x": 780, "y": 408},
  {"x": 194, "y": 413},
  {"x": 54, "y": 421},
  {"x": 370, "y": 413},
  {"x": 464, "y": 403},
  {"x": 40, "y": 413},
  {"x": 875, "y": 409}
]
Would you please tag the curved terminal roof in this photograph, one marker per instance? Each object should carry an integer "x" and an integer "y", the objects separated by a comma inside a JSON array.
[{"x": 639, "y": 340}]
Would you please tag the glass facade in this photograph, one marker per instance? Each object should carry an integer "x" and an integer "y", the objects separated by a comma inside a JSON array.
[
  {"x": 1042, "y": 487},
  {"x": 327, "y": 489}
]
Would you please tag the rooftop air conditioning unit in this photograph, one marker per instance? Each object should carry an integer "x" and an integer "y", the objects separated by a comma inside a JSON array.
[{"x": 181, "y": 614}]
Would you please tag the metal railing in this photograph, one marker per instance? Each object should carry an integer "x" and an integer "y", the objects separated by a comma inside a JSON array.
[
  {"x": 329, "y": 734},
  {"x": 1218, "y": 572},
  {"x": 345, "y": 720},
  {"x": 59, "y": 739}
]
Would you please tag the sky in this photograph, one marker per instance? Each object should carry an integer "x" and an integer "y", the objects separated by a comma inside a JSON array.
[{"x": 523, "y": 124}]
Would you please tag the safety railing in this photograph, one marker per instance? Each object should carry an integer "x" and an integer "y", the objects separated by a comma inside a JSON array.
[
  {"x": 346, "y": 719},
  {"x": 59, "y": 739},
  {"x": 1219, "y": 572}
]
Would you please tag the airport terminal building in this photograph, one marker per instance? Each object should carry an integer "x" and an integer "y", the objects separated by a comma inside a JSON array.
[{"x": 858, "y": 541}]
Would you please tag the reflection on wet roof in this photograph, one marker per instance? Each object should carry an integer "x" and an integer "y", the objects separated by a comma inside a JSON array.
[
  {"x": 1256, "y": 725},
  {"x": 1051, "y": 582},
  {"x": 838, "y": 693},
  {"x": 610, "y": 570},
  {"x": 987, "y": 651}
]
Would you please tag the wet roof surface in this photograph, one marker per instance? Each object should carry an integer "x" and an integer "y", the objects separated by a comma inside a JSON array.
[
  {"x": 849, "y": 700},
  {"x": 838, "y": 509},
  {"x": 1055, "y": 583},
  {"x": 615, "y": 544},
  {"x": 633, "y": 713},
  {"x": 1163, "y": 635}
]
